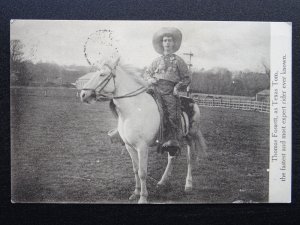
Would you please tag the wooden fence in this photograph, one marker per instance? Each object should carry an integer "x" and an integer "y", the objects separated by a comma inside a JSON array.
[
  {"x": 44, "y": 91},
  {"x": 233, "y": 103}
]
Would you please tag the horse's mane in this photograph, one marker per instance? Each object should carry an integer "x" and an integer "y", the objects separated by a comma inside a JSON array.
[{"x": 135, "y": 72}]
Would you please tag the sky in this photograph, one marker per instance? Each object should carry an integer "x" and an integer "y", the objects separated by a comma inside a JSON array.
[{"x": 233, "y": 45}]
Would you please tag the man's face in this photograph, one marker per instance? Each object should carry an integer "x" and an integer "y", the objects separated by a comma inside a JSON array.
[{"x": 168, "y": 44}]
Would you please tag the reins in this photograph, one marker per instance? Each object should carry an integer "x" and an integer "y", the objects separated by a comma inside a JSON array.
[{"x": 131, "y": 94}]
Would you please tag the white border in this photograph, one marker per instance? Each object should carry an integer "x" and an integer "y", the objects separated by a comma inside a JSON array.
[{"x": 280, "y": 113}]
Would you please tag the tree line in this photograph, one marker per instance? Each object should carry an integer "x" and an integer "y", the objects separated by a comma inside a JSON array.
[
  {"x": 224, "y": 82},
  {"x": 214, "y": 81},
  {"x": 24, "y": 72}
]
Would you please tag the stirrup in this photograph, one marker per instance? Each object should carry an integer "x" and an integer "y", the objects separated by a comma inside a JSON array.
[
  {"x": 171, "y": 143},
  {"x": 173, "y": 151}
]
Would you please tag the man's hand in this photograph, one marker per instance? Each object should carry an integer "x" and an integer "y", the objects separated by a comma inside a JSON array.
[
  {"x": 175, "y": 91},
  {"x": 177, "y": 86},
  {"x": 151, "y": 80}
]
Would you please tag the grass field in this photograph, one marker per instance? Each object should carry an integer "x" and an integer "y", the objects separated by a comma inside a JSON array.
[{"x": 61, "y": 153}]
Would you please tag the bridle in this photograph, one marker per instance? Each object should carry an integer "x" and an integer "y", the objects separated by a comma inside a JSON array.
[{"x": 103, "y": 84}]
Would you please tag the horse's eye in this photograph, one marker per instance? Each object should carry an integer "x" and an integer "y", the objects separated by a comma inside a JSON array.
[{"x": 102, "y": 74}]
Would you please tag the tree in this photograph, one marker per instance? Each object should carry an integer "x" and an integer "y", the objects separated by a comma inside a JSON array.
[
  {"x": 16, "y": 51},
  {"x": 267, "y": 69},
  {"x": 17, "y": 63},
  {"x": 16, "y": 56}
]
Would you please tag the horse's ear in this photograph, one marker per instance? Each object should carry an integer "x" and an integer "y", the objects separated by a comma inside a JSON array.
[
  {"x": 112, "y": 64},
  {"x": 117, "y": 61}
]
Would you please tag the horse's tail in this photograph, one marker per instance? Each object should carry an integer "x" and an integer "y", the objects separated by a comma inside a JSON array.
[{"x": 198, "y": 143}]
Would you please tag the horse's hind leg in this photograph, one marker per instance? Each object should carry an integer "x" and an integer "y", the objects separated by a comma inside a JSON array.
[
  {"x": 134, "y": 158},
  {"x": 189, "y": 180},
  {"x": 166, "y": 176}
]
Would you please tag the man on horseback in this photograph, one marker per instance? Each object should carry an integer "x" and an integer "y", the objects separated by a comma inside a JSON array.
[
  {"x": 166, "y": 75},
  {"x": 139, "y": 119}
]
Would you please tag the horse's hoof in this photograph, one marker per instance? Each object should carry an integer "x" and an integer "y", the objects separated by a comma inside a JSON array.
[
  {"x": 188, "y": 189},
  {"x": 142, "y": 201},
  {"x": 134, "y": 197}
]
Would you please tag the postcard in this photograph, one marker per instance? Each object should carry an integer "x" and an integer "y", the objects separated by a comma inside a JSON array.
[{"x": 159, "y": 112}]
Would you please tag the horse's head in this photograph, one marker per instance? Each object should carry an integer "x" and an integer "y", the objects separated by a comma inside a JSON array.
[
  {"x": 113, "y": 81},
  {"x": 101, "y": 84}
]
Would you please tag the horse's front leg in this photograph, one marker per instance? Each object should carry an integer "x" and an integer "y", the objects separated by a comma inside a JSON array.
[
  {"x": 142, "y": 172},
  {"x": 166, "y": 176},
  {"x": 135, "y": 163}
]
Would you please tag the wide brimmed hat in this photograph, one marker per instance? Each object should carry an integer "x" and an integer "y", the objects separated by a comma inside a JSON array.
[{"x": 163, "y": 32}]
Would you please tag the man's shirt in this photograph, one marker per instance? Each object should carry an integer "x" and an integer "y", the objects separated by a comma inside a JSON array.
[{"x": 169, "y": 67}]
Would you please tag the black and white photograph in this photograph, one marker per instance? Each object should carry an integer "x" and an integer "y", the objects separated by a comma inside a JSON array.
[{"x": 158, "y": 112}]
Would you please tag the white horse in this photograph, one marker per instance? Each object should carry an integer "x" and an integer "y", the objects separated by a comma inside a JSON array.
[{"x": 139, "y": 121}]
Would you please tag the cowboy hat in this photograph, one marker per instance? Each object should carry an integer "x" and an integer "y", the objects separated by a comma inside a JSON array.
[{"x": 163, "y": 32}]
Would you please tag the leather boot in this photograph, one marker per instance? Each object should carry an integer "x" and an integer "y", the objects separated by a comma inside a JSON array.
[{"x": 172, "y": 145}]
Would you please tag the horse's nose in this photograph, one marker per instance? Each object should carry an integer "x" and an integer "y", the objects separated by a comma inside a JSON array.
[{"x": 83, "y": 95}]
